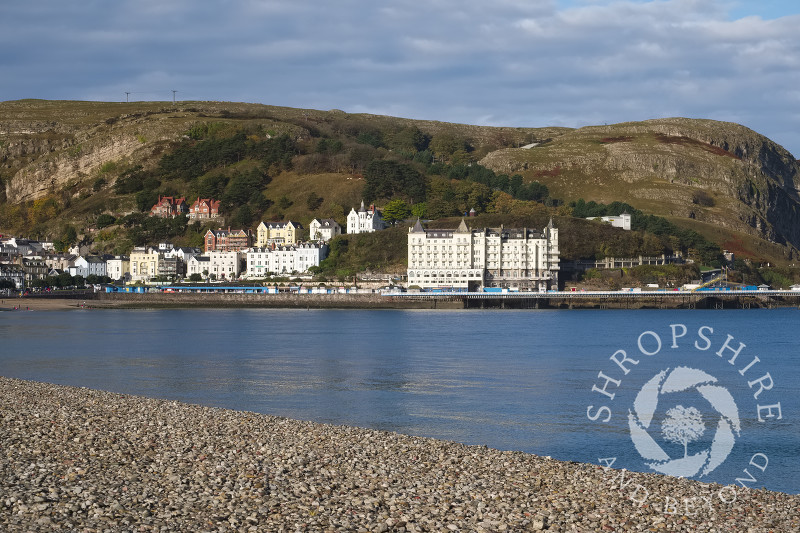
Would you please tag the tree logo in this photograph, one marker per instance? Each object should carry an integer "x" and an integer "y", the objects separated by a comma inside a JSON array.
[{"x": 683, "y": 425}]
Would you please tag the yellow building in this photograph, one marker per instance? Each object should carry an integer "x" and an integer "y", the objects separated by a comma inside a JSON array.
[
  {"x": 269, "y": 233},
  {"x": 144, "y": 264}
]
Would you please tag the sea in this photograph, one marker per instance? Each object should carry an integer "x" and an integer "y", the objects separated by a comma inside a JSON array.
[{"x": 702, "y": 394}]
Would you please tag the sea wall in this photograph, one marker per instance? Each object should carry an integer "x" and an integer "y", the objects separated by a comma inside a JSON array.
[
  {"x": 284, "y": 300},
  {"x": 377, "y": 301}
]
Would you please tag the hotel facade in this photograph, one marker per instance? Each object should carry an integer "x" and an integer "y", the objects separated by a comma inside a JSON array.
[{"x": 470, "y": 259}]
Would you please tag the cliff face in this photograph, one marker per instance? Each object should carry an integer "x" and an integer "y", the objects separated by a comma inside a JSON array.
[
  {"x": 715, "y": 172},
  {"x": 38, "y": 157}
]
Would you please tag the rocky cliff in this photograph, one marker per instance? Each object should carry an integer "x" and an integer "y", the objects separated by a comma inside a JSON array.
[
  {"x": 716, "y": 172},
  {"x": 42, "y": 154}
]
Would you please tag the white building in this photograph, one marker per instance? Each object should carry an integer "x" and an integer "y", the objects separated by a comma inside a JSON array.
[
  {"x": 622, "y": 221},
  {"x": 198, "y": 264},
  {"x": 324, "y": 229},
  {"x": 224, "y": 265},
  {"x": 257, "y": 265},
  {"x": 119, "y": 267},
  {"x": 296, "y": 259},
  {"x": 182, "y": 253},
  {"x": 86, "y": 266},
  {"x": 522, "y": 259},
  {"x": 364, "y": 220}
]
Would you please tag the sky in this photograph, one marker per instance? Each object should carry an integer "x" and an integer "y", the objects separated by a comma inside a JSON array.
[{"x": 525, "y": 63}]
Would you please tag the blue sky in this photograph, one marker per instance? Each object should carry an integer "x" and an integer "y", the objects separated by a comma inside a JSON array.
[{"x": 507, "y": 62}]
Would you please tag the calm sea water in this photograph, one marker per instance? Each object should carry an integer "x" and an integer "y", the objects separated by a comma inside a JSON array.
[{"x": 513, "y": 380}]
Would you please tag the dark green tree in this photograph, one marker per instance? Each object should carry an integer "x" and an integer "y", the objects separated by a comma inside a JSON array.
[
  {"x": 385, "y": 179},
  {"x": 105, "y": 220},
  {"x": 313, "y": 202}
]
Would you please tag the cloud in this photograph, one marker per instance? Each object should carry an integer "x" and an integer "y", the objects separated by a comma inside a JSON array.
[{"x": 509, "y": 62}]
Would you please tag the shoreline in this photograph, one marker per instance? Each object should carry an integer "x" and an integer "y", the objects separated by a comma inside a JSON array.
[
  {"x": 77, "y": 458},
  {"x": 369, "y": 301},
  {"x": 44, "y": 304}
]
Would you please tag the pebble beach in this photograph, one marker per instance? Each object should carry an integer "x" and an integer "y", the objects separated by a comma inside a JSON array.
[{"x": 74, "y": 459}]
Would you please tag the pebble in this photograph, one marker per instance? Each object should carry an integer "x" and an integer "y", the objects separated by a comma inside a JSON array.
[{"x": 75, "y": 459}]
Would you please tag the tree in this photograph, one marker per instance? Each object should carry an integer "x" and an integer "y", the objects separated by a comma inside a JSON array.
[
  {"x": 105, "y": 220},
  {"x": 284, "y": 202},
  {"x": 683, "y": 426},
  {"x": 243, "y": 216},
  {"x": 69, "y": 236},
  {"x": 445, "y": 145},
  {"x": 409, "y": 140},
  {"x": 146, "y": 199},
  {"x": 395, "y": 211},
  {"x": 385, "y": 179},
  {"x": 313, "y": 202},
  {"x": 196, "y": 277},
  {"x": 243, "y": 186}
]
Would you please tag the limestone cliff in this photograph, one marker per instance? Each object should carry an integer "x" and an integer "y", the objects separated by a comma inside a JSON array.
[
  {"x": 38, "y": 157},
  {"x": 716, "y": 172}
]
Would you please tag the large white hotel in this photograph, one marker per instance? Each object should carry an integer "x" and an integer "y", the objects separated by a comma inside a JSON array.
[{"x": 517, "y": 259}]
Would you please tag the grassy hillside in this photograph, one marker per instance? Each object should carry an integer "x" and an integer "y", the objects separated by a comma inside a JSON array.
[{"x": 93, "y": 169}]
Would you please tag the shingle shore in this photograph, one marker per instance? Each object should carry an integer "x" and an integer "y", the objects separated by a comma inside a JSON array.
[{"x": 74, "y": 459}]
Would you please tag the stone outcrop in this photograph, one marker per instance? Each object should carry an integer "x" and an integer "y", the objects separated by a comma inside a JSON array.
[{"x": 667, "y": 167}]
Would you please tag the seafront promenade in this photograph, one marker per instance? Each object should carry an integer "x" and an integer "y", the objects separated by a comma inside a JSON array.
[
  {"x": 75, "y": 459},
  {"x": 242, "y": 297},
  {"x": 463, "y": 300}
]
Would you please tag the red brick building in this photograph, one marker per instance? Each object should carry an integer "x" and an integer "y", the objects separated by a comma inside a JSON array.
[
  {"x": 204, "y": 208},
  {"x": 169, "y": 207},
  {"x": 228, "y": 240}
]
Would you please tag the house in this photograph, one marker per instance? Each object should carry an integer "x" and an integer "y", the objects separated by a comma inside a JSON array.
[
  {"x": 324, "y": 229},
  {"x": 221, "y": 240},
  {"x": 169, "y": 207},
  {"x": 291, "y": 259},
  {"x": 18, "y": 246},
  {"x": 224, "y": 265},
  {"x": 34, "y": 268},
  {"x": 13, "y": 273},
  {"x": 365, "y": 220},
  {"x": 119, "y": 268},
  {"x": 204, "y": 208},
  {"x": 198, "y": 264},
  {"x": 144, "y": 263},
  {"x": 171, "y": 268},
  {"x": 182, "y": 252},
  {"x": 257, "y": 263},
  {"x": 269, "y": 233},
  {"x": 466, "y": 259},
  {"x": 87, "y": 266},
  {"x": 622, "y": 221},
  {"x": 60, "y": 261}
]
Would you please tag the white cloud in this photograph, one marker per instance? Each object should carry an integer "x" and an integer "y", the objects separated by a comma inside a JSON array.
[{"x": 512, "y": 62}]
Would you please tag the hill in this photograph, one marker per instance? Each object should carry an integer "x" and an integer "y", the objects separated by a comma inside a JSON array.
[
  {"x": 722, "y": 175},
  {"x": 92, "y": 168}
]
